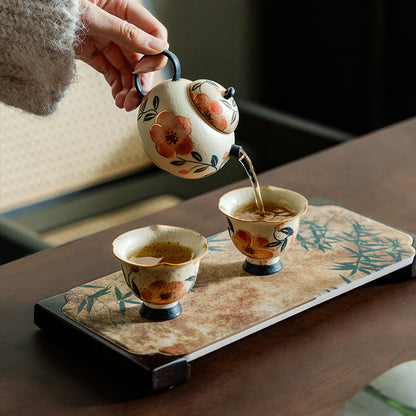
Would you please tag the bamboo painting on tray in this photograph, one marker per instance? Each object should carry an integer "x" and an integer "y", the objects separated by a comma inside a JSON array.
[{"x": 336, "y": 250}]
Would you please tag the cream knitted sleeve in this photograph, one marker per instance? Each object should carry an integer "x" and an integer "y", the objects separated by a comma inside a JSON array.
[{"x": 36, "y": 52}]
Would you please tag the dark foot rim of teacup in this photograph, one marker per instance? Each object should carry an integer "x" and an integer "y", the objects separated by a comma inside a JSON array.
[
  {"x": 160, "y": 314},
  {"x": 262, "y": 270}
]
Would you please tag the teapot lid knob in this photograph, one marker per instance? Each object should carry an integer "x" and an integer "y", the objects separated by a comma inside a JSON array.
[
  {"x": 215, "y": 104},
  {"x": 229, "y": 92}
]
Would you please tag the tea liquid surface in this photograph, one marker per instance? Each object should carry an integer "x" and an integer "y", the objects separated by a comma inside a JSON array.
[
  {"x": 167, "y": 252},
  {"x": 272, "y": 212}
]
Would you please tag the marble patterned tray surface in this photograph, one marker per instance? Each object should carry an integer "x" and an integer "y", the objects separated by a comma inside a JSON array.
[{"x": 336, "y": 250}]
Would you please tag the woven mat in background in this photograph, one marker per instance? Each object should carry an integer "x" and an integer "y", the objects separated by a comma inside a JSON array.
[{"x": 87, "y": 141}]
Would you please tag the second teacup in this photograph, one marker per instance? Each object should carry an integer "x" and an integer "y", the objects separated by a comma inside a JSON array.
[{"x": 262, "y": 240}]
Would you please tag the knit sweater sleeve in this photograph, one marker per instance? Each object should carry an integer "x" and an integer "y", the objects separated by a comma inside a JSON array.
[{"x": 36, "y": 52}]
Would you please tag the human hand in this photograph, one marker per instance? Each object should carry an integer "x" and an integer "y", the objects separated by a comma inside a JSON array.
[{"x": 117, "y": 33}]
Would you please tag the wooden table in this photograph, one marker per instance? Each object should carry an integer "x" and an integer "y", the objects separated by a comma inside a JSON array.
[{"x": 309, "y": 364}]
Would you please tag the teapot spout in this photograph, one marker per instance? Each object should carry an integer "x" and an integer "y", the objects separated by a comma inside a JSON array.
[{"x": 236, "y": 151}]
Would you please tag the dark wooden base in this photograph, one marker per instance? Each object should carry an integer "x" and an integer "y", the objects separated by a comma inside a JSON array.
[{"x": 154, "y": 372}]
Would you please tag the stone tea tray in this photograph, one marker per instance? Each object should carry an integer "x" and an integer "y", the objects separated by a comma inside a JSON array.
[{"x": 336, "y": 250}]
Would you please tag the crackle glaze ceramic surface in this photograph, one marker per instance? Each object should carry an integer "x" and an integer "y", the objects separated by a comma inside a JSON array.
[
  {"x": 187, "y": 128},
  {"x": 263, "y": 241},
  {"x": 160, "y": 286}
]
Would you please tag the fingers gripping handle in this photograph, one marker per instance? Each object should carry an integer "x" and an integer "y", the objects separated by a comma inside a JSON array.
[{"x": 176, "y": 71}]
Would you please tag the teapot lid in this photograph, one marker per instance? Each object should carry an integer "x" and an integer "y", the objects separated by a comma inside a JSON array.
[{"x": 216, "y": 104}]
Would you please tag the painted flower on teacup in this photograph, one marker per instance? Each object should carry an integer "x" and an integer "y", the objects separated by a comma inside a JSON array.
[
  {"x": 171, "y": 134},
  {"x": 158, "y": 291},
  {"x": 252, "y": 246},
  {"x": 162, "y": 293},
  {"x": 259, "y": 247}
]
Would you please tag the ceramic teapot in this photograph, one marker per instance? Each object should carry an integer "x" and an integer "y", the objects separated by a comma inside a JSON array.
[{"x": 187, "y": 127}]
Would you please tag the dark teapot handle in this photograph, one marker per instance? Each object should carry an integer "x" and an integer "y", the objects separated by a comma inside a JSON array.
[{"x": 176, "y": 71}]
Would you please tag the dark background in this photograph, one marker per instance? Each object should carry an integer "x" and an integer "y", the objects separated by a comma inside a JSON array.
[{"x": 347, "y": 64}]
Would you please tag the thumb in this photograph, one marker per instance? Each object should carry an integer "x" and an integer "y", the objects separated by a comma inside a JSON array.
[{"x": 101, "y": 23}]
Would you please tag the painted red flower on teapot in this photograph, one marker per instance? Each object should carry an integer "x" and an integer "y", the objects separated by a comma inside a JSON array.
[{"x": 171, "y": 134}]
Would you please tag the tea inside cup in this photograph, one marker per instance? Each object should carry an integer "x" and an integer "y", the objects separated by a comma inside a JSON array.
[
  {"x": 160, "y": 264},
  {"x": 262, "y": 237}
]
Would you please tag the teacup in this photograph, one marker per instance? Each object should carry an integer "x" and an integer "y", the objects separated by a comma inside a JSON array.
[
  {"x": 262, "y": 240},
  {"x": 158, "y": 283}
]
